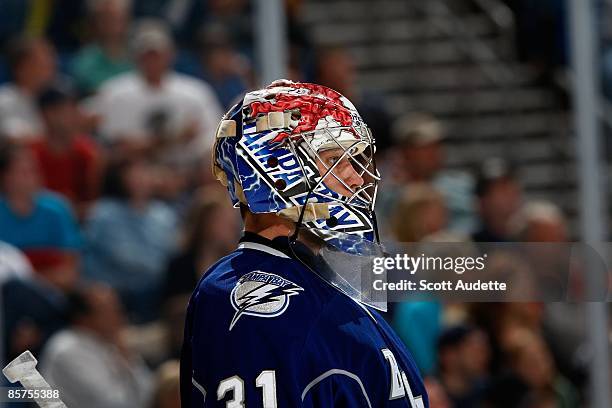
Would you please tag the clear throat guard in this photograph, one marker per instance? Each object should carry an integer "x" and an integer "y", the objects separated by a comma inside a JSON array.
[{"x": 349, "y": 272}]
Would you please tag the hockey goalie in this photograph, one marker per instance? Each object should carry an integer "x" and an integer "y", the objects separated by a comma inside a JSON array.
[{"x": 288, "y": 319}]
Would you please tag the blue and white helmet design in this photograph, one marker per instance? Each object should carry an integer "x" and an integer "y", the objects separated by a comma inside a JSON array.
[{"x": 268, "y": 154}]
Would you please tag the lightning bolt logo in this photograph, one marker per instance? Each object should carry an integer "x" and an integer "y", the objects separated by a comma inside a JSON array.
[{"x": 261, "y": 294}]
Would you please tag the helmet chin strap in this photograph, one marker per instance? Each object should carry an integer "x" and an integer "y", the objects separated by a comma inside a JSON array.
[
  {"x": 375, "y": 227},
  {"x": 300, "y": 220}
]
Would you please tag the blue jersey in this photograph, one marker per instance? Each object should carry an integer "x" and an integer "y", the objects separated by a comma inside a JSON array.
[{"x": 264, "y": 330}]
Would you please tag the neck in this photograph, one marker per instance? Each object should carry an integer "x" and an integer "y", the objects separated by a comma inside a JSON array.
[
  {"x": 268, "y": 226},
  {"x": 94, "y": 332},
  {"x": 455, "y": 383},
  {"x": 21, "y": 204},
  {"x": 153, "y": 81},
  {"x": 26, "y": 86},
  {"x": 57, "y": 142},
  {"x": 139, "y": 203},
  {"x": 112, "y": 47}
]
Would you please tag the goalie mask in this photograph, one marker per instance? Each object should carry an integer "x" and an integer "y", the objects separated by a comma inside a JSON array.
[{"x": 301, "y": 151}]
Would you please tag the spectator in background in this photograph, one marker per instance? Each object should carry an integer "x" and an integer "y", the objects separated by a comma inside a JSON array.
[
  {"x": 463, "y": 365},
  {"x": 26, "y": 325},
  {"x": 14, "y": 267},
  {"x": 420, "y": 211},
  {"x": 551, "y": 264},
  {"x": 429, "y": 314},
  {"x": 210, "y": 231},
  {"x": 223, "y": 67},
  {"x": 108, "y": 55},
  {"x": 156, "y": 110},
  {"x": 336, "y": 70},
  {"x": 130, "y": 237},
  {"x": 167, "y": 389},
  {"x": 32, "y": 65},
  {"x": 33, "y": 309},
  {"x": 498, "y": 319},
  {"x": 540, "y": 221},
  {"x": 419, "y": 215},
  {"x": 539, "y": 383},
  {"x": 563, "y": 323},
  {"x": 499, "y": 198},
  {"x": 89, "y": 362},
  {"x": 237, "y": 18},
  {"x": 419, "y": 138},
  {"x": 42, "y": 225},
  {"x": 183, "y": 17},
  {"x": 39, "y": 223},
  {"x": 69, "y": 161}
]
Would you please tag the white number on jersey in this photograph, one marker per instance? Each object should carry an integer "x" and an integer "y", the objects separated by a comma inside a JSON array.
[
  {"x": 236, "y": 386},
  {"x": 399, "y": 382},
  {"x": 266, "y": 380}
]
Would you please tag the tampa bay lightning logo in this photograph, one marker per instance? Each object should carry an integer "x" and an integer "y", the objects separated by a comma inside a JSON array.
[{"x": 261, "y": 294}]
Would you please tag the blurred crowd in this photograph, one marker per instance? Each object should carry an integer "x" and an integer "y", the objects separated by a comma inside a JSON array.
[
  {"x": 523, "y": 354},
  {"x": 109, "y": 214}
]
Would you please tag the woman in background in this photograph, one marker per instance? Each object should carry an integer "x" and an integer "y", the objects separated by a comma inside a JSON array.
[
  {"x": 130, "y": 237},
  {"x": 210, "y": 231}
]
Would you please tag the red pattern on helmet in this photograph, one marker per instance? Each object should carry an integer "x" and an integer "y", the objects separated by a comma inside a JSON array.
[{"x": 320, "y": 103}]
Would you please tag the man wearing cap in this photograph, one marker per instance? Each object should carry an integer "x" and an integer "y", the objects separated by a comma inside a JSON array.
[
  {"x": 419, "y": 137},
  {"x": 154, "y": 108},
  {"x": 499, "y": 198}
]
